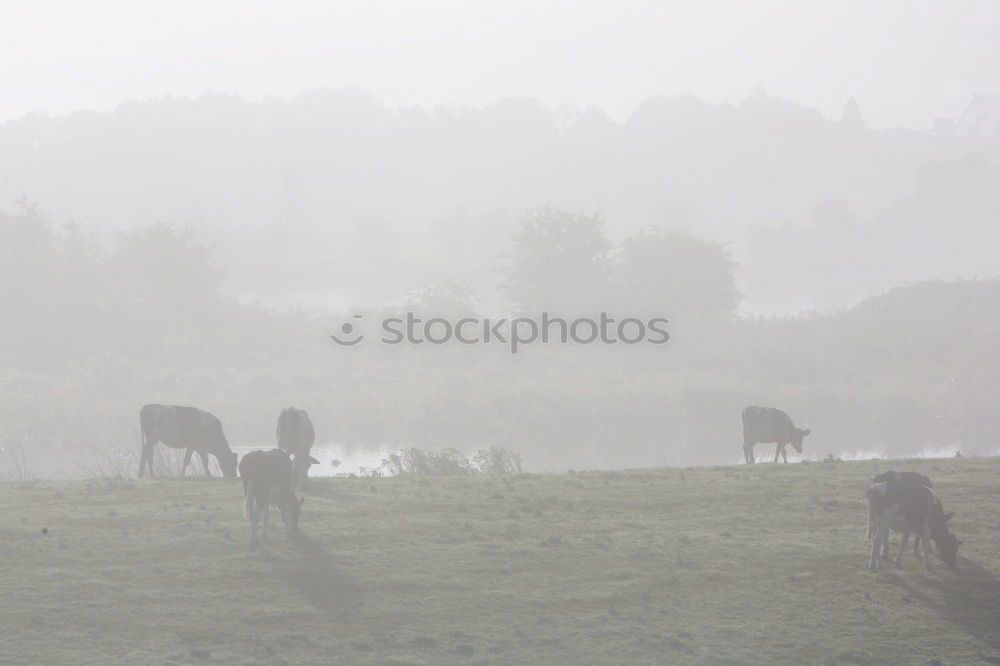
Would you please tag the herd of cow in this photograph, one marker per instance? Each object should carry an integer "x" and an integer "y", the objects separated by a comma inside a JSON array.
[
  {"x": 269, "y": 477},
  {"x": 900, "y": 502}
]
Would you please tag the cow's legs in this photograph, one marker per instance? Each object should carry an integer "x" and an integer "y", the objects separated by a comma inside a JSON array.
[
  {"x": 748, "y": 453},
  {"x": 881, "y": 535},
  {"x": 916, "y": 544},
  {"x": 902, "y": 548},
  {"x": 925, "y": 541},
  {"x": 187, "y": 459},
  {"x": 779, "y": 450},
  {"x": 147, "y": 456},
  {"x": 873, "y": 564},
  {"x": 266, "y": 510},
  {"x": 204, "y": 463},
  {"x": 871, "y": 522},
  {"x": 880, "y": 548},
  {"x": 254, "y": 522}
]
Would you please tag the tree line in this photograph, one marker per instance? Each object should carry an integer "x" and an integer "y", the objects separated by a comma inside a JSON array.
[{"x": 99, "y": 328}]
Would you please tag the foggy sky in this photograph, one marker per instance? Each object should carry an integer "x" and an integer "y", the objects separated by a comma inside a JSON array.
[{"x": 905, "y": 61}]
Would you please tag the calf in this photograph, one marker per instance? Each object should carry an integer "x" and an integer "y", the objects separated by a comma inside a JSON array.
[
  {"x": 905, "y": 508},
  {"x": 268, "y": 480}
]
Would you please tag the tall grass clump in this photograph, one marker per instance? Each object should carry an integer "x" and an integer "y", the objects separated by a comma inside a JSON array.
[
  {"x": 415, "y": 461},
  {"x": 115, "y": 462},
  {"x": 18, "y": 466},
  {"x": 497, "y": 460}
]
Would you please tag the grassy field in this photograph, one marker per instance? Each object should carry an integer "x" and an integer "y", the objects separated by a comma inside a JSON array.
[{"x": 762, "y": 564}]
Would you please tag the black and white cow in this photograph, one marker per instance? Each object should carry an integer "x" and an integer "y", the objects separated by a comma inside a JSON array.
[
  {"x": 905, "y": 508},
  {"x": 268, "y": 480},
  {"x": 767, "y": 424},
  {"x": 891, "y": 478}
]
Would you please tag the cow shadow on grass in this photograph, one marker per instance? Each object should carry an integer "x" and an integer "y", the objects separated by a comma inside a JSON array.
[
  {"x": 968, "y": 597},
  {"x": 315, "y": 575}
]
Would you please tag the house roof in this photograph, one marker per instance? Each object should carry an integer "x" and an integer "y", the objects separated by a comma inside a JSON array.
[{"x": 981, "y": 117}]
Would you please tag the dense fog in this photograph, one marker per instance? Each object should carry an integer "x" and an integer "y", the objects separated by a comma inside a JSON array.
[
  {"x": 332, "y": 198},
  {"x": 201, "y": 249}
]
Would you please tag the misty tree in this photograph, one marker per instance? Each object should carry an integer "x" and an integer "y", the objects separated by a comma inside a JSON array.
[
  {"x": 451, "y": 298},
  {"x": 29, "y": 285},
  {"x": 50, "y": 281},
  {"x": 561, "y": 263},
  {"x": 675, "y": 274},
  {"x": 851, "y": 116},
  {"x": 163, "y": 268},
  {"x": 164, "y": 295}
]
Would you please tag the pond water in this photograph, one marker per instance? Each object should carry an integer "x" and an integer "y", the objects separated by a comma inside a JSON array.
[
  {"x": 930, "y": 452},
  {"x": 335, "y": 460},
  {"x": 339, "y": 460}
]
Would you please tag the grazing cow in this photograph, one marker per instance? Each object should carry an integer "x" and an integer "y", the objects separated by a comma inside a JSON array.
[
  {"x": 766, "y": 425},
  {"x": 891, "y": 478},
  {"x": 905, "y": 508},
  {"x": 268, "y": 480},
  {"x": 296, "y": 436},
  {"x": 184, "y": 428}
]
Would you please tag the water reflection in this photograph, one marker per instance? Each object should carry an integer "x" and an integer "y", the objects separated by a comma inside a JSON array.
[{"x": 336, "y": 459}]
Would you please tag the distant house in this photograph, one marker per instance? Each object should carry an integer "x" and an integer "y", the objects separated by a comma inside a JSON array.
[{"x": 981, "y": 117}]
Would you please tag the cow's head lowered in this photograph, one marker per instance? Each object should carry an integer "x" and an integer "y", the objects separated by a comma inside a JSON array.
[
  {"x": 947, "y": 543},
  {"x": 227, "y": 463},
  {"x": 797, "y": 435},
  {"x": 302, "y": 464},
  {"x": 290, "y": 512},
  {"x": 218, "y": 446}
]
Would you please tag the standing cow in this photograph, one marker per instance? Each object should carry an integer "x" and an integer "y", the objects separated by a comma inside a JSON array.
[
  {"x": 766, "y": 425},
  {"x": 268, "y": 481},
  {"x": 296, "y": 436},
  {"x": 184, "y": 428}
]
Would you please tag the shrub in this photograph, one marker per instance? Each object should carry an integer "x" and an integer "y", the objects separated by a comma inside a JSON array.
[{"x": 449, "y": 462}]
